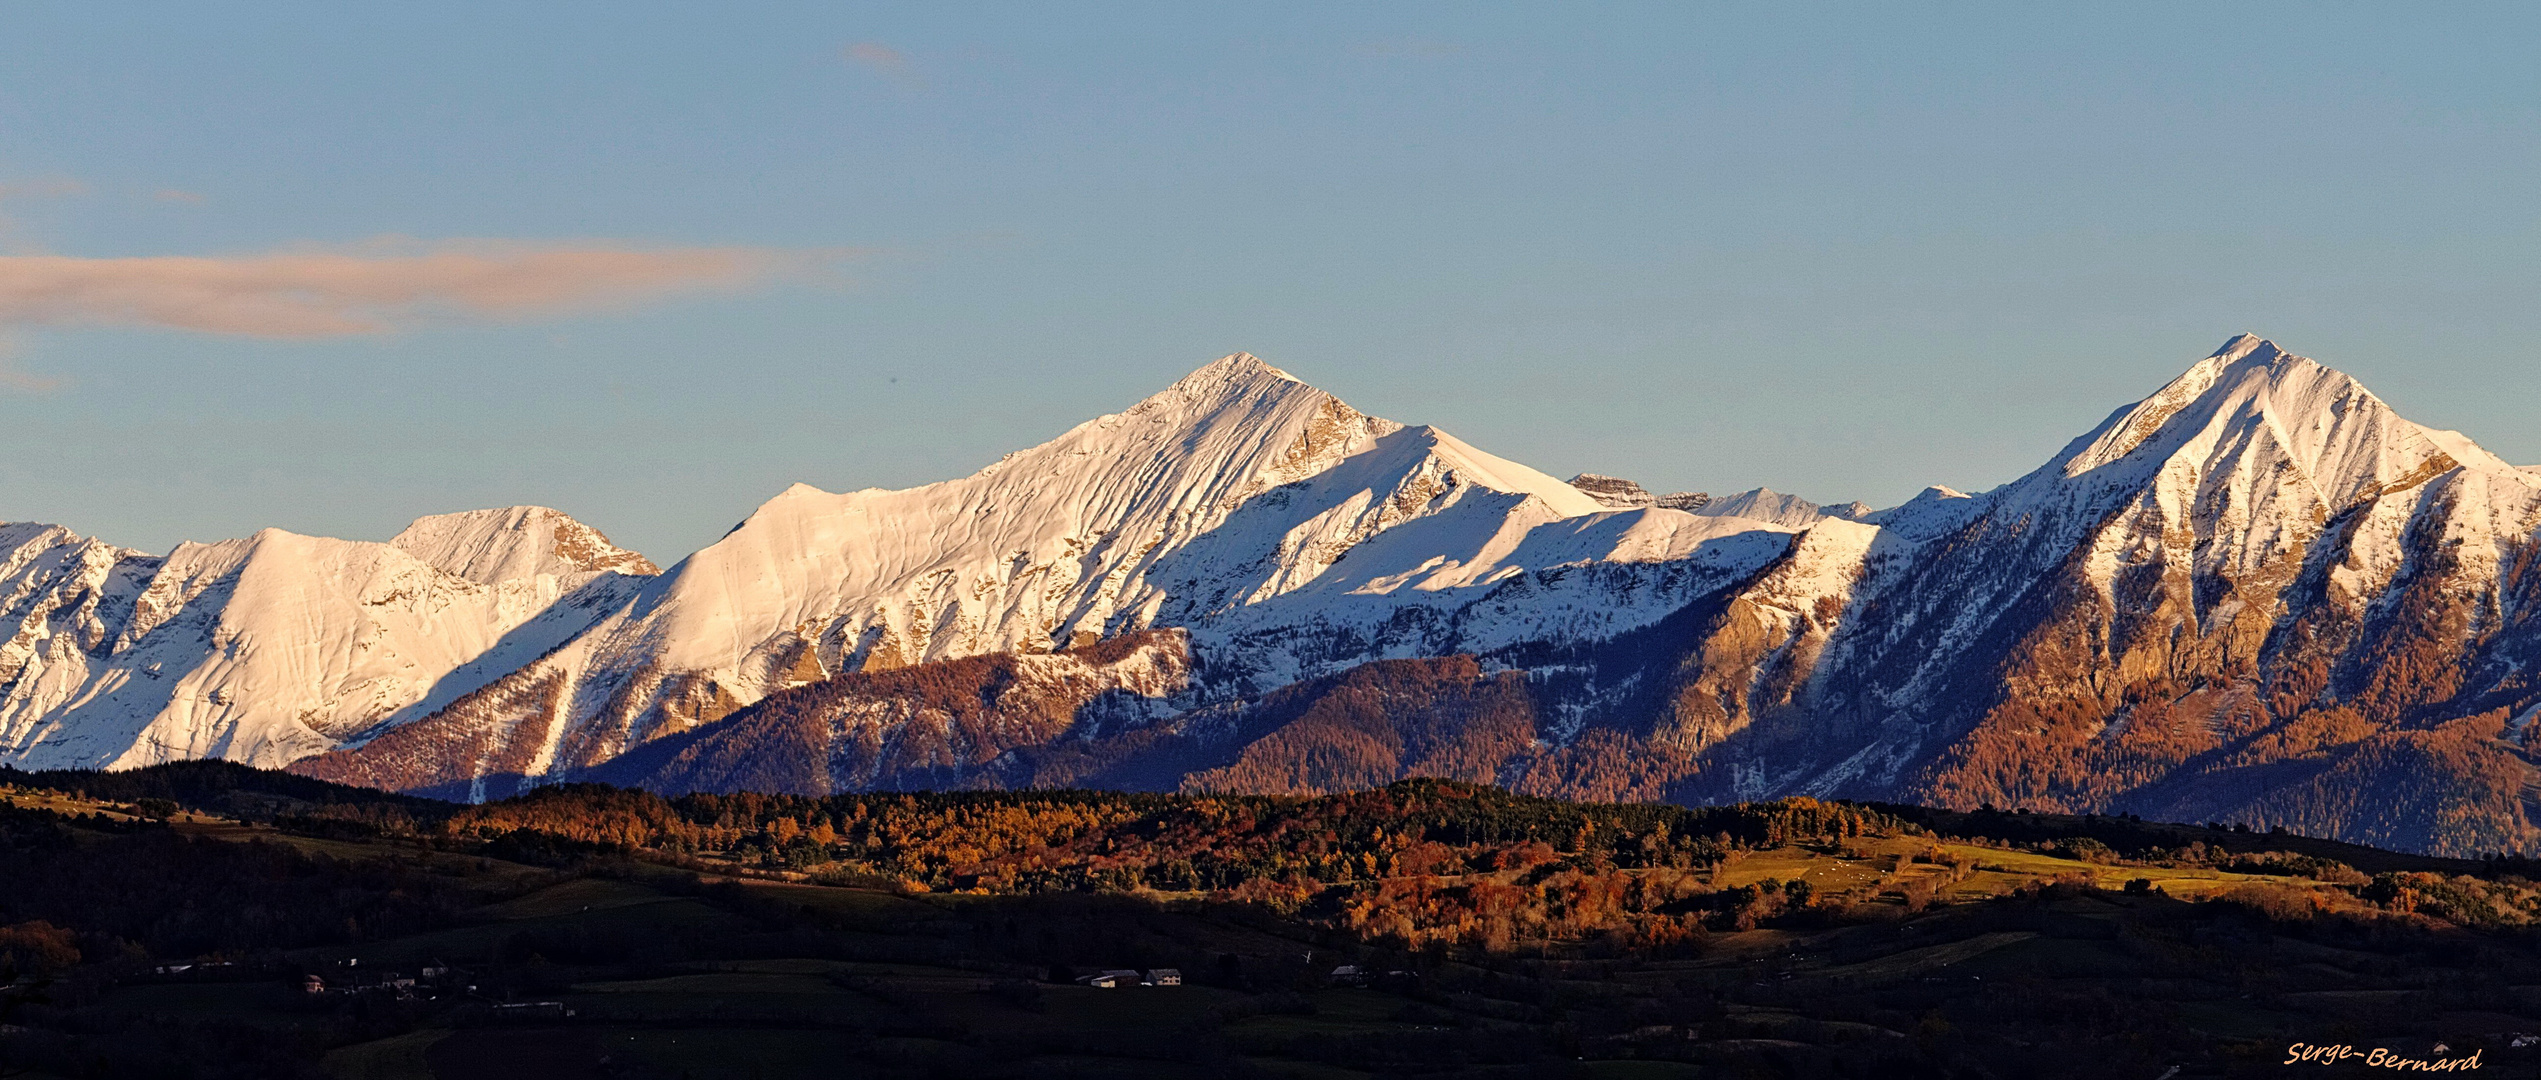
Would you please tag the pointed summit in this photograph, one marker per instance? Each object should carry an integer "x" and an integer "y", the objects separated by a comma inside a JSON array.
[
  {"x": 1237, "y": 365},
  {"x": 2252, "y": 405},
  {"x": 515, "y": 543},
  {"x": 2245, "y": 457},
  {"x": 1045, "y": 542},
  {"x": 1232, "y": 373},
  {"x": 2245, "y": 344}
]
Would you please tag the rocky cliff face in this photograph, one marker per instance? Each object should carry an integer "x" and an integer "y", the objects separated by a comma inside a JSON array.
[{"x": 1617, "y": 493}]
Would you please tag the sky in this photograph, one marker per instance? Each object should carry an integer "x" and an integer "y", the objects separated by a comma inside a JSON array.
[{"x": 331, "y": 266}]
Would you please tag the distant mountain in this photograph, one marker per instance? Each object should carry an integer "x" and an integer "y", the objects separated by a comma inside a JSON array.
[
  {"x": 1761, "y": 504},
  {"x": 272, "y": 648},
  {"x": 1616, "y": 493},
  {"x": 1766, "y": 504},
  {"x": 2257, "y": 595}
]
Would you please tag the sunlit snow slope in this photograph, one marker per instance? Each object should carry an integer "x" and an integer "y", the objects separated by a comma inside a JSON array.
[
  {"x": 2259, "y": 594},
  {"x": 278, "y": 646},
  {"x": 1287, "y": 531}
]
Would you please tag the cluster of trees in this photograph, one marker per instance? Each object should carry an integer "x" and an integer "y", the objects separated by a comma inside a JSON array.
[
  {"x": 1040, "y": 841},
  {"x": 1416, "y": 864}
]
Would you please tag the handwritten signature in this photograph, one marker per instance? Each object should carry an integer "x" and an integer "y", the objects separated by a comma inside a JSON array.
[{"x": 2378, "y": 1058}]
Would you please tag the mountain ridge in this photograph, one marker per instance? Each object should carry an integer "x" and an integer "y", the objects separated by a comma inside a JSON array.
[
  {"x": 276, "y": 646},
  {"x": 2239, "y": 597}
]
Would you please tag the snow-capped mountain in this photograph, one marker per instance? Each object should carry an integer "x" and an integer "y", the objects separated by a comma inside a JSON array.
[
  {"x": 275, "y": 647},
  {"x": 1287, "y": 532},
  {"x": 2257, "y": 595}
]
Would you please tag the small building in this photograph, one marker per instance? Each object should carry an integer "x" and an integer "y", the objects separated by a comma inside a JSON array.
[
  {"x": 312, "y": 985},
  {"x": 1349, "y": 975},
  {"x": 1115, "y": 978},
  {"x": 1164, "y": 977}
]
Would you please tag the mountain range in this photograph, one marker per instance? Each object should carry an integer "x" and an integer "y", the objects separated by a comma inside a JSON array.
[{"x": 2258, "y": 595}]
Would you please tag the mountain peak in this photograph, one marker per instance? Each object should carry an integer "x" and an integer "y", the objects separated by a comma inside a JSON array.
[
  {"x": 2244, "y": 345},
  {"x": 515, "y": 542},
  {"x": 1234, "y": 367},
  {"x": 1766, "y": 504},
  {"x": 1236, "y": 384},
  {"x": 1613, "y": 491},
  {"x": 2250, "y": 396},
  {"x": 2249, "y": 452}
]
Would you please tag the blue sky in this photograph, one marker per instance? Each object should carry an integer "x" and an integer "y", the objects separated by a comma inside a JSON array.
[{"x": 1840, "y": 251}]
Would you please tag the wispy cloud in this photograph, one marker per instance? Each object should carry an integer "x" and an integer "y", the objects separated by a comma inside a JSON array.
[
  {"x": 890, "y": 63},
  {"x": 48, "y": 187},
  {"x": 373, "y": 289},
  {"x": 16, "y": 380}
]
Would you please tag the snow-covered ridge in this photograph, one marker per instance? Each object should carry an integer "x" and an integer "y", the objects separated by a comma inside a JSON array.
[
  {"x": 2253, "y": 452},
  {"x": 2259, "y": 515},
  {"x": 277, "y": 646},
  {"x": 1238, "y": 501},
  {"x": 516, "y": 542},
  {"x": 1617, "y": 493},
  {"x": 2258, "y": 542},
  {"x": 1790, "y": 511}
]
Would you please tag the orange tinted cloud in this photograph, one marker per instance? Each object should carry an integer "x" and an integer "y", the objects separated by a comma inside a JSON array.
[
  {"x": 874, "y": 54},
  {"x": 50, "y": 187},
  {"x": 885, "y": 60},
  {"x": 11, "y": 378},
  {"x": 301, "y": 294}
]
